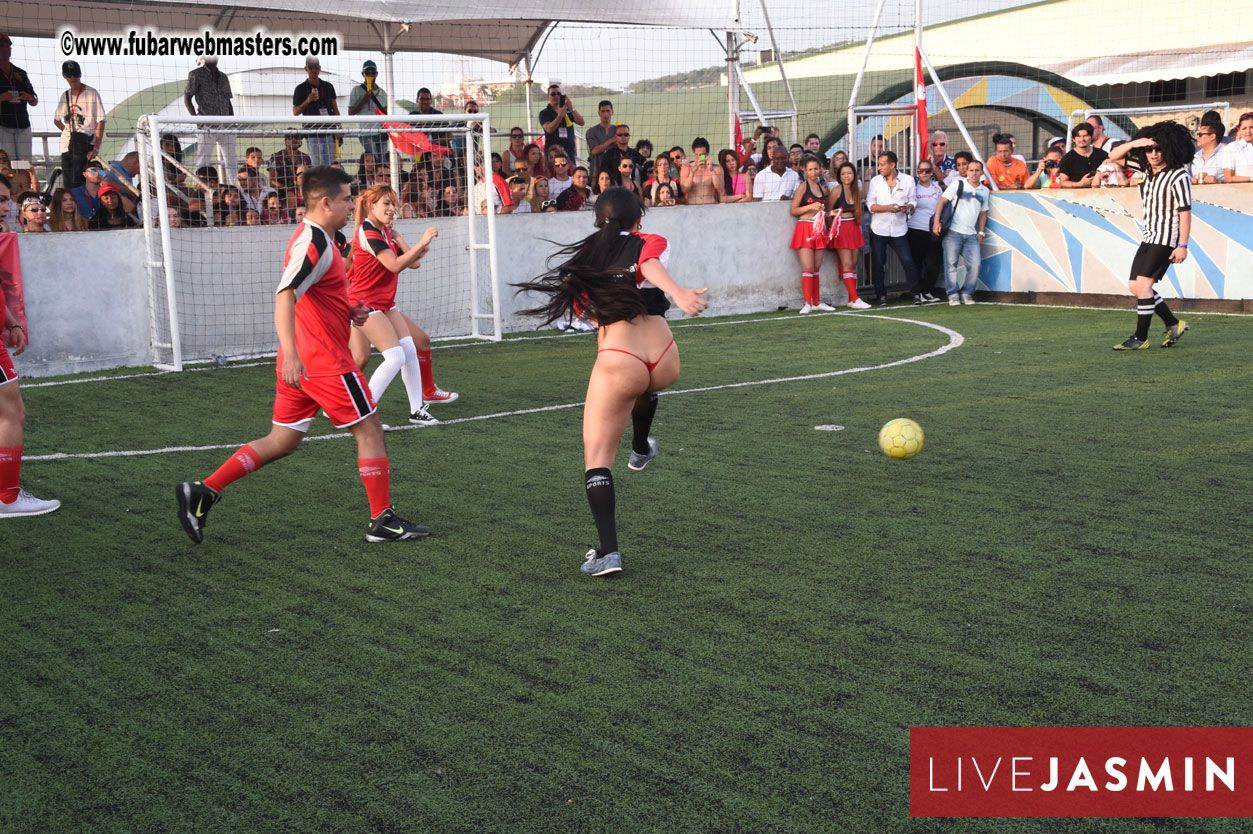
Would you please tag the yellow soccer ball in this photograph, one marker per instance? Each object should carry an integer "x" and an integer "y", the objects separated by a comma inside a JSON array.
[{"x": 901, "y": 438}]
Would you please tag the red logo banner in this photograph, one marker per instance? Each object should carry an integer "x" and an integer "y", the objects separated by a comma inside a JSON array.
[{"x": 1081, "y": 771}]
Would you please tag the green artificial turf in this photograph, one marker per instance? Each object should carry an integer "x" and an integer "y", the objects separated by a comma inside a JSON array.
[{"x": 1070, "y": 548}]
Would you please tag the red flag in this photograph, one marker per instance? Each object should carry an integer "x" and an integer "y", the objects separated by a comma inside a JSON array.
[
  {"x": 413, "y": 142},
  {"x": 920, "y": 98},
  {"x": 739, "y": 140}
]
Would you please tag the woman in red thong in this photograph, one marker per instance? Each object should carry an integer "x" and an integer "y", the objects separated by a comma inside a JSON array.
[{"x": 617, "y": 277}]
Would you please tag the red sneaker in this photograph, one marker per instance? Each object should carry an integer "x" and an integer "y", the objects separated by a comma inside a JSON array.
[{"x": 440, "y": 396}]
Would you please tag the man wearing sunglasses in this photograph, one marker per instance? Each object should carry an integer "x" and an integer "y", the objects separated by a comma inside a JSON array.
[
  {"x": 1164, "y": 149},
  {"x": 560, "y": 181},
  {"x": 1207, "y": 164},
  {"x": 558, "y": 120},
  {"x": 940, "y": 159},
  {"x": 621, "y": 151}
]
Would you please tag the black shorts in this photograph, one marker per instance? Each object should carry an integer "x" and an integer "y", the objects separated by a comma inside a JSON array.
[{"x": 1151, "y": 260}]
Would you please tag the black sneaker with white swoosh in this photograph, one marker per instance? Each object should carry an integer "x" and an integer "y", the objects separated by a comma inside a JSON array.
[
  {"x": 389, "y": 527},
  {"x": 194, "y": 502}
]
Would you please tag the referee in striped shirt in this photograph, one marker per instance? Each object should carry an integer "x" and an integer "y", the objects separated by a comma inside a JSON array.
[{"x": 1164, "y": 150}]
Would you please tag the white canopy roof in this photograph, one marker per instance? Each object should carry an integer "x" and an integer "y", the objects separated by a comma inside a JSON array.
[{"x": 491, "y": 29}]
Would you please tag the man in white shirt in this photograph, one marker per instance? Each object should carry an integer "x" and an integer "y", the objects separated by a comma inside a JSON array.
[
  {"x": 1238, "y": 161},
  {"x": 1207, "y": 164},
  {"x": 80, "y": 118},
  {"x": 965, "y": 232},
  {"x": 892, "y": 197},
  {"x": 252, "y": 189},
  {"x": 778, "y": 182}
]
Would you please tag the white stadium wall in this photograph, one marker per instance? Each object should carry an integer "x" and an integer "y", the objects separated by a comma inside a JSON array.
[{"x": 88, "y": 300}]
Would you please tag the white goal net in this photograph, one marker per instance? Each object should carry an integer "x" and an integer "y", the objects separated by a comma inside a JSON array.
[{"x": 223, "y": 196}]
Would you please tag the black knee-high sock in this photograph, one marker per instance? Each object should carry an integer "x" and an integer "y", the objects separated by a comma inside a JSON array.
[
  {"x": 599, "y": 484},
  {"x": 642, "y": 421},
  {"x": 1162, "y": 310},
  {"x": 1144, "y": 317}
]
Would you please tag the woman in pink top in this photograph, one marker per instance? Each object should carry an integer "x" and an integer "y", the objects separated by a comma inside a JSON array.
[{"x": 732, "y": 186}]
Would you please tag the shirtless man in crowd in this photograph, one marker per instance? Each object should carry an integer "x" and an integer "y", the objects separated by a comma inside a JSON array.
[{"x": 697, "y": 175}]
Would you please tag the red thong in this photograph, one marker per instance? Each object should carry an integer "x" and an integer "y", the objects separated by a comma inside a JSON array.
[{"x": 647, "y": 364}]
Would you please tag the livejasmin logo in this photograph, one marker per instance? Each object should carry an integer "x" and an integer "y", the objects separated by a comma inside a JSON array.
[
  {"x": 1081, "y": 771},
  {"x": 1150, "y": 777}
]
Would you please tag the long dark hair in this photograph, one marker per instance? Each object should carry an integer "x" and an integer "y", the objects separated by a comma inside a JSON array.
[
  {"x": 1176, "y": 143},
  {"x": 728, "y": 185},
  {"x": 851, "y": 192},
  {"x": 591, "y": 281}
]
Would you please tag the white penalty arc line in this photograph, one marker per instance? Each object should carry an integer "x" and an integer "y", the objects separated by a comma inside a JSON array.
[{"x": 955, "y": 340}]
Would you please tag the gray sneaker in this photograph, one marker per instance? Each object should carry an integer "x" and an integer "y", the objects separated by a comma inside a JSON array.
[
  {"x": 638, "y": 461},
  {"x": 594, "y": 565},
  {"x": 26, "y": 504}
]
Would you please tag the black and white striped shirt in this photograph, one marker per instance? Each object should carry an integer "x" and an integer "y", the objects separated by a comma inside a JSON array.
[{"x": 1165, "y": 194}]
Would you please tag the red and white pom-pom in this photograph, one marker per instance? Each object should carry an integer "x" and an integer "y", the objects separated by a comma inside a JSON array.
[{"x": 818, "y": 233}]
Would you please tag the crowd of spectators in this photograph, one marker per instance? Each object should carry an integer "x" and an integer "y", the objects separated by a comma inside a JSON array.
[{"x": 539, "y": 173}]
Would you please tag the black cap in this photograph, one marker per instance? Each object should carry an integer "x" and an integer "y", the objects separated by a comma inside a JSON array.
[
  {"x": 1212, "y": 117},
  {"x": 70, "y": 69}
]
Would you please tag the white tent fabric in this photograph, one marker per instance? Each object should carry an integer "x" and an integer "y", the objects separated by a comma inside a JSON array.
[{"x": 491, "y": 29}]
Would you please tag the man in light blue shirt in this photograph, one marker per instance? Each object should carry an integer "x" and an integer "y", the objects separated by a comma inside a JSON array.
[{"x": 965, "y": 232}]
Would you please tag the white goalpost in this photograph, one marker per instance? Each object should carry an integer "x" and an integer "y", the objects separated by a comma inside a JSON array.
[{"x": 213, "y": 265}]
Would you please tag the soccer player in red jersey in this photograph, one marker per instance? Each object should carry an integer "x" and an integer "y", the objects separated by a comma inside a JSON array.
[
  {"x": 379, "y": 255},
  {"x": 14, "y": 501},
  {"x": 315, "y": 369}
]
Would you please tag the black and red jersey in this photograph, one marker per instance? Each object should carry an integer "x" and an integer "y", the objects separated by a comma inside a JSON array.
[
  {"x": 314, "y": 269},
  {"x": 642, "y": 247},
  {"x": 373, "y": 284}
]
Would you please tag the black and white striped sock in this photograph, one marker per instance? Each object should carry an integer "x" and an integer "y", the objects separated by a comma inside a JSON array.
[{"x": 1159, "y": 306}]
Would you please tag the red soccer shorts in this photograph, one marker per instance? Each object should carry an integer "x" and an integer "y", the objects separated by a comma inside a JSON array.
[
  {"x": 7, "y": 372},
  {"x": 345, "y": 398}
]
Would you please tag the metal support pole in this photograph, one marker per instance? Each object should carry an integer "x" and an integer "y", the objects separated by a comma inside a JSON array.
[
  {"x": 787, "y": 86},
  {"x": 530, "y": 118},
  {"x": 861, "y": 73},
  {"x": 393, "y": 156}
]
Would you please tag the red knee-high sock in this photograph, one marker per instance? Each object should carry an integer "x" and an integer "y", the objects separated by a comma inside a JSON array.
[
  {"x": 807, "y": 286},
  {"x": 238, "y": 465},
  {"x": 817, "y": 288},
  {"x": 10, "y": 473},
  {"x": 850, "y": 284},
  {"x": 376, "y": 475},
  {"x": 428, "y": 381}
]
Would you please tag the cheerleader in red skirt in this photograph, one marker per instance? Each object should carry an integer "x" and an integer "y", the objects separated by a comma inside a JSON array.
[
  {"x": 845, "y": 204},
  {"x": 809, "y": 205}
]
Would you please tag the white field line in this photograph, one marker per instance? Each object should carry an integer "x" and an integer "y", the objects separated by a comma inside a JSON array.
[
  {"x": 955, "y": 340},
  {"x": 570, "y": 335}
]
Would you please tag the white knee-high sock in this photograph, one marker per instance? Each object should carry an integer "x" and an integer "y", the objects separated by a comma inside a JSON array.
[
  {"x": 393, "y": 361},
  {"x": 411, "y": 374}
]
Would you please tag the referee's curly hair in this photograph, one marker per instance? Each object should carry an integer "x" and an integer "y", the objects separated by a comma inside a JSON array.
[{"x": 1176, "y": 143}]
